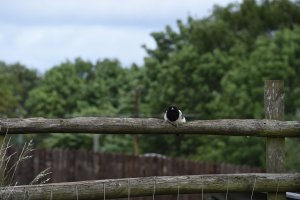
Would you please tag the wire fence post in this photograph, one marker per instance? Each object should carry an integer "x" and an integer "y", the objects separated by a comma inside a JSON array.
[{"x": 274, "y": 109}]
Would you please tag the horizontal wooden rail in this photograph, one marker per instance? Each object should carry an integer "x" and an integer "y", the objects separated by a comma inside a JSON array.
[
  {"x": 226, "y": 127},
  {"x": 147, "y": 186}
]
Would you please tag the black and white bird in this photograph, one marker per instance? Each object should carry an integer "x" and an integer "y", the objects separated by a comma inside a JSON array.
[{"x": 174, "y": 116}]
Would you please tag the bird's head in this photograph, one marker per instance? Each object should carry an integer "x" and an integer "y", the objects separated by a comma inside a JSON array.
[{"x": 172, "y": 113}]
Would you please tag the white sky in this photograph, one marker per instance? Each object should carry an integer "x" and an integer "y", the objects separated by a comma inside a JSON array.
[{"x": 44, "y": 33}]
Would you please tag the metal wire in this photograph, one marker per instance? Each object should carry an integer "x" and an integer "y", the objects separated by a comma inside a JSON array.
[
  {"x": 154, "y": 185},
  {"x": 202, "y": 188},
  {"x": 253, "y": 188},
  {"x": 277, "y": 188},
  {"x": 128, "y": 185},
  {"x": 177, "y": 190},
  {"x": 51, "y": 193},
  {"x": 104, "y": 191},
  {"x": 76, "y": 190},
  {"x": 227, "y": 187}
]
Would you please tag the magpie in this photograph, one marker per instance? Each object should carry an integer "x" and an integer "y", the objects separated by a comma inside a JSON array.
[{"x": 174, "y": 116}]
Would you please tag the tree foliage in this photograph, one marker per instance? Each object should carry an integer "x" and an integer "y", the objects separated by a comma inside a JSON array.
[{"x": 16, "y": 81}]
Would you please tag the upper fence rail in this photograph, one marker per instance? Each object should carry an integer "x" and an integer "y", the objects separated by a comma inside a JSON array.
[{"x": 103, "y": 125}]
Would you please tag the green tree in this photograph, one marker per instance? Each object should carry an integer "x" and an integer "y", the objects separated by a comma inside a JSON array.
[
  {"x": 7, "y": 101},
  {"x": 216, "y": 66},
  {"x": 60, "y": 91},
  {"x": 15, "y": 82},
  {"x": 81, "y": 88},
  {"x": 211, "y": 68}
]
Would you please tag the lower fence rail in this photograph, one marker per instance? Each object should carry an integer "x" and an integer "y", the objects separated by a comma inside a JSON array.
[{"x": 160, "y": 185}]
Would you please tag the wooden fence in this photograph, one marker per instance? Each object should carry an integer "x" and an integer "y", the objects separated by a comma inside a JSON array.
[
  {"x": 80, "y": 165},
  {"x": 275, "y": 181}
]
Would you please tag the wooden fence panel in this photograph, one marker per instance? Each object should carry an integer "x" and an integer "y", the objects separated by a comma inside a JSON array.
[{"x": 79, "y": 165}]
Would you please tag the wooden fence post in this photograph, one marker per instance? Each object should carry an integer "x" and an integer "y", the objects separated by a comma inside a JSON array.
[{"x": 274, "y": 109}]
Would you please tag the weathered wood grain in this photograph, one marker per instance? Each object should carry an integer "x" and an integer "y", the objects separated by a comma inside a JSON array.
[
  {"x": 274, "y": 109},
  {"x": 226, "y": 127},
  {"x": 118, "y": 188}
]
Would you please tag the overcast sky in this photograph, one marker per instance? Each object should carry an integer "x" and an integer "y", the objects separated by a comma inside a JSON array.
[{"x": 44, "y": 33}]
